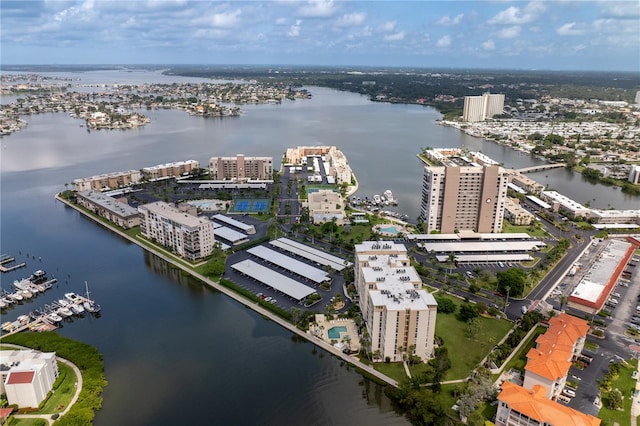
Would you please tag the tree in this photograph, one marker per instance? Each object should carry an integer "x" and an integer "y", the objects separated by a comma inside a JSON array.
[
  {"x": 467, "y": 312},
  {"x": 512, "y": 278},
  {"x": 445, "y": 305},
  {"x": 615, "y": 400},
  {"x": 473, "y": 327}
]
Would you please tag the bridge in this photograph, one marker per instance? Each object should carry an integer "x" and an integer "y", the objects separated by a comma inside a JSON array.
[{"x": 541, "y": 168}]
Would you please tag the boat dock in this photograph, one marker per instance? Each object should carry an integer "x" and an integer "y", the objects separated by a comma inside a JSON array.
[
  {"x": 24, "y": 289},
  {"x": 47, "y": 318},
  {"x": 6, "y": 259}
]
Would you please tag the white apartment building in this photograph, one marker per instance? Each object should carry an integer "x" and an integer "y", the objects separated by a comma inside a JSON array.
[
  {"x": 479, "y": 108},
  {"x": 189, "y": 236},
  {"x": 27, "y": 376},
  {"x": 515, "y": 214},
  {"x": 400, "y": 317},
  {"x": 326, "y": 206},
  {"x": 333, "y": 160},
  {"x": 463, "y": 194},
  {"x": 241, "y": 168}
]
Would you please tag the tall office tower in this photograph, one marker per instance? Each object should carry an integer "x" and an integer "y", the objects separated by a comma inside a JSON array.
[
  {"x": 479, "y": 108},
  {"x": 463, "y": 194},
  {"x": 400, "y": 317}
]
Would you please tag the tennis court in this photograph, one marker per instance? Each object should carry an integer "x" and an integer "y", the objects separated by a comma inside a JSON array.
[{"x": 249, "y": 205}]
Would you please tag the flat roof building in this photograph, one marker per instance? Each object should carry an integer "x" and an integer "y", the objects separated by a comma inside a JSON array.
[
  {"x": 27, "y": 376},
  {"x": 108, "y": 181},
  {"x": 111, "y": 209},
  {"x": 336, "y": 164},
  {"x": 189, "y": 236},
  {"x": 326, "y": 205},
  {"x": 565, "y": 204},
  {"x": 241, "y": 168},
  {"x": 398, "y": 314},
  {"x": 466, "y": 193},
  {"x": 170, "y": 170},
  {"x": 515, "y": 213}
]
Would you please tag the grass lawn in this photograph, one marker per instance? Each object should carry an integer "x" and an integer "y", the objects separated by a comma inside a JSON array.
[
  {"x": 466, "y": 352},
  {"x": 395, "y": 370},
  {"x": 63, "y": 390},
  {"x": 25, "y": 422},
  {"x": 520, "y": 359},
  {"x": 509, "y": 228},
  {"x": 626, "y": 384}
]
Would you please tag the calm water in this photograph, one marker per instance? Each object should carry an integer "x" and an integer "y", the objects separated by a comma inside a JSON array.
[{"x": 178, "y": 353}]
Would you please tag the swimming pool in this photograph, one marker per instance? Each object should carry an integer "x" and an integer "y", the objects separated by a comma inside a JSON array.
[
  {"x": 390, "y": 230},
  {"x": 334, "y": 332}
]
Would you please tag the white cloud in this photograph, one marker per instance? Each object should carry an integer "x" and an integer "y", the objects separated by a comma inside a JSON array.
[
  {"x": 488, "y": 45},
  {"x": 226, "y": 19},
  {"x": 318, "y": 9},
  {"x": 395, "y": 37},
  {"x": 509, "y": 32},
  {"x": 447, "y": 21},
  {"x": 516, "y": 16},
  {"x": 294, "y": 31},
  {"x": 569, "y": 29},
  {"x": 351, "y": 19},
  {"x": 445, "y": 41},
  {"x": 388, "y": 26},
  {"x": 281, "y": 21}
]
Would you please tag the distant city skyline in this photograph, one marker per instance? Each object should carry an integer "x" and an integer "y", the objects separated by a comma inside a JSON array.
[{"x": 554, "y": 35}]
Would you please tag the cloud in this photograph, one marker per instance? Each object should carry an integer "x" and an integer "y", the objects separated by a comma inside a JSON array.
[
  {"x": 388, "y": 26},
  {"x": 281, "y": 21},
  {"x": 509, "y": 32},
  {"x": 447, "y": 21},
  {"x": 516, "y": 16},
  {"x": 318, "y": 9},
  {"x": 395, "y": 37},
  {"x": 351, "y": 19},
  {"x": 445, "y": 41},
  {"x": 294, "y": 31},
  {"x": 621, "y": 10},
  {"x": 488, "y": 45},
  {"x": 569, "y": 29},
  {"x": 226, "y": 19}
]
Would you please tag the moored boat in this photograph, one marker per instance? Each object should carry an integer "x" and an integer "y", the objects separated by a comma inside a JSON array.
[
  {"x": 71, "y": 297},
  {"x": 53, "y": 317},
  {"x": 65, "y": 312},
  {"x": 76, "y": 308}
]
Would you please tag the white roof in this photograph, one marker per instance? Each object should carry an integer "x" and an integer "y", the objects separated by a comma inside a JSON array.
[
  {"x": 233, "y": 222},
  {"x": 433, "y": 237},
  {"x": 289, "y": 263},
  {"x": 230, "y": 235},
  {"x": 273, "y": 279},
  {"x": 504, "y": 257},
  {"x": 483, "y": 246},
  {"x": 310, "y": 253}
]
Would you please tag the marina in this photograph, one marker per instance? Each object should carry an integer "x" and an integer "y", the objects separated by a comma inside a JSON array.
[
  {"x": 51, "y": 315},
  {"x": 26, "y": 288}
]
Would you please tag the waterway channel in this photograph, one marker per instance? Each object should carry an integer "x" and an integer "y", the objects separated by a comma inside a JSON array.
[{"x": 178, "y": 353}]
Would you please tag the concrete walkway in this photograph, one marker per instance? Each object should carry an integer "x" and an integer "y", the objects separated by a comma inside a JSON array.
[{"x": 47, "y": 417}]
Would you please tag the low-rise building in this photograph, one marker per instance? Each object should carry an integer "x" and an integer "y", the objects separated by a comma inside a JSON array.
[
  {"x": 241, "y": 168},
  {"x": 565, "y": 204},
  {"x": 334, "y": 161},
  {"x": 515, "y": 214},
  {"x": 111, "y": 209},
  {"x": 189, "y": 236},
  {"x": 108, "y": 181},
  {"x": 518, "y": 406},
  {"x": 326, "y": 206},
  {"x": 549, "y": 361},
  {"x": 170, "y": 170}
]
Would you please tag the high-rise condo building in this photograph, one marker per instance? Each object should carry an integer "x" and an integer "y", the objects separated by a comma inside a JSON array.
[
  {"x": 241, "y": 168},
  {"x": 479, "y": 108},
  {"x": 400, "y": 317},
  {"x": 466, "y": 192},
  {"x": 189, "y": 236}
]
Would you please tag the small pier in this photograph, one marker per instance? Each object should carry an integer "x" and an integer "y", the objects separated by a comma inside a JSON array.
[{"x": 7, "y": 260}]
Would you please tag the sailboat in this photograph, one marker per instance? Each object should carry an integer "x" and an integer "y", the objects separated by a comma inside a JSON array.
[{"x": 89, "y": 304}]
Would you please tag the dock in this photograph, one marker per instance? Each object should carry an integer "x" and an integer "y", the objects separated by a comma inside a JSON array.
[{"x": 4, "y": 260}]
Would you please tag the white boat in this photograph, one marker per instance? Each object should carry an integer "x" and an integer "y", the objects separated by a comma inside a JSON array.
[
  {"x": 7, "y": 326},
  {"x": 65, "y": 312},
  {"x": 3, "y": 304},
  {"x": 377, "y": 199},
  {"x": 388, "y": 196},
  {"x": 64, "y": 303},
  {"x": 53, "y": 317},
  {"x": 71, "y": 297},
  {"x": 89, "y": 304},
  {"x": 26, "y": 294},
  {"x": 16, "y": 297},
  {"x": 76, "y": 308},
  {"x": 38, "y": 276},
  {"x": 24, "y": 319}
]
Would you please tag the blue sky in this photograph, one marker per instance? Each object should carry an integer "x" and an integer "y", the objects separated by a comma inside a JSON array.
[{"x": 576, "y": 35}]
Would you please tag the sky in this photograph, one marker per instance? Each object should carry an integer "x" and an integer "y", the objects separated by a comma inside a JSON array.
[{"x": 555, "y": 35}]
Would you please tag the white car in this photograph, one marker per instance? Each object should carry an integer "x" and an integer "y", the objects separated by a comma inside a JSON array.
[{"x": 267, "y": 299}]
